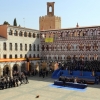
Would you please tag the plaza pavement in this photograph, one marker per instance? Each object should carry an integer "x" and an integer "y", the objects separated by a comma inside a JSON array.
[{"x": 39, "y": 86}]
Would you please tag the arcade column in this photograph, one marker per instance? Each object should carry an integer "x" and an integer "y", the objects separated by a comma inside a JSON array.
[
  {"x": 11, "y": 70},
  {"x": 55, "y": 66},
  {"x": 1, "y": 71},
  {"x": 28, "y": 64}
]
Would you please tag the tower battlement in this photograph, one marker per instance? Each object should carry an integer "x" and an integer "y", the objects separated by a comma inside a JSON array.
[
  {"x": 58, "y": 18},
  {"x": 49, "y": 21}
]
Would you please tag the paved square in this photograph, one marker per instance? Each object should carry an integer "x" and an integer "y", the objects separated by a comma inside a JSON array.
[{"x": 39, "y": 86}]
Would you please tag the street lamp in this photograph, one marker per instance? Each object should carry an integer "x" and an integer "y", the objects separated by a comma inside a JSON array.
[{"x": 24, "y": 21}]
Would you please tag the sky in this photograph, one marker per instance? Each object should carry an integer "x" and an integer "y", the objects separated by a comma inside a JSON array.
[{"x": 27, "y": 12}]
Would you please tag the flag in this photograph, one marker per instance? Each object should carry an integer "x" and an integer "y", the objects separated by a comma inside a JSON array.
[{"x": 50, "y": 39}]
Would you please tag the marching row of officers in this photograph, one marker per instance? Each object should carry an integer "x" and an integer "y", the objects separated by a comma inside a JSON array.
[{"x": 15, "y": 81}]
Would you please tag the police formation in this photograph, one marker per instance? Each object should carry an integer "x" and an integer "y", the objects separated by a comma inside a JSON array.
[{"x": 16, "y": 80}]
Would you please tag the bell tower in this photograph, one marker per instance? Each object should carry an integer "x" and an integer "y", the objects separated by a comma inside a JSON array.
[
  {"x": 50, "y": 8},
  {"x": 49, "y": 21}
]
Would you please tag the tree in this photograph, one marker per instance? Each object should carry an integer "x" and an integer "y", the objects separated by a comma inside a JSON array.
[
  {"x": 6, "y": 23},
  {"x": 19, "y": 26},
  {"x": 15, "y": 22}
]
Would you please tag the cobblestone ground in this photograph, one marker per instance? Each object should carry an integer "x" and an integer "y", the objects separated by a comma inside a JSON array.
[{"x": 39, "y": 86}]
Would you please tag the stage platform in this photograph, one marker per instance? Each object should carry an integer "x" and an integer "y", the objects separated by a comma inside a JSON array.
[{"x": 70, "y": 84}]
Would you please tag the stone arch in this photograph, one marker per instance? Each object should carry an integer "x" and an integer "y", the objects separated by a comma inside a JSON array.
[
  {"x": 6, "y": 70},
  {"x": 20, "y": 33},
  {"x": 50, "y": 8},
  {"x": 29, "y": 34},
  {"x": 37, "y": 67},
  {"x": 15, "y": 67},
  {"x": 54, "y": 65},
  {"x": 31, "y": 66},
  {"x": 23, "y": 67},
  {"x": 0, "y": 71},
  {"x": 25, "y": 34},
  {"x": 44, "y": 65}
]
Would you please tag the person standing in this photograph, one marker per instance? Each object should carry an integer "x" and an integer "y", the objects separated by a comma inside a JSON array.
[
  {"x": 13, "y": 81},
  {"x": 43, "y": 73},
  {"x": 5, "y": 83},
  {"x": 75, "y": 80},
  {"x": 16, "y": 81},
  {"x": 97, "y": 80},
  {"x": 64, "y": 82},
  {"x": 20, "y": 79},
  {"x": 26, "y": 79}
]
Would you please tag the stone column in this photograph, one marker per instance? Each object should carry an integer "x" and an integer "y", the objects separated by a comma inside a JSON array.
[
  {"x": 11, "y": 70},
  {"x": 27, "y": 66},
  {"x": 55, "y": 66},
  {"x": 1, "y": 72}
]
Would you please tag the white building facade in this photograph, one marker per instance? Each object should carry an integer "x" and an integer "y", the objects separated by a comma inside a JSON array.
[{"x": 17, "y": 43}]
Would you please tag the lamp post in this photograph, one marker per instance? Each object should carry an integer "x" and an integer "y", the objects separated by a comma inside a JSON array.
[{"x": 24, "y": 21}]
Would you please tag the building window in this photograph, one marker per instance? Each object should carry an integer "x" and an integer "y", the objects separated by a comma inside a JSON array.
[
  {"x": 34, "y": 56},
  {"x": 38, "y": 47},
  {"x": 4, "y": 56},
  {"x": 21, "y": 46},
  {"x": 34, "y": 47},
  {"x": 29, "y": 35},
  {"x": 30, "y": 56},
  {"x": 25, "y": 34},
  {"x": 37, "y": 35},
  {"x": 10, "y": 56},
  {"x": 25, "y": 55},
  {"x": 47, "y": 47},
  {"x": 40, "y": 35},
  {"x": 16, "y": 56},
  {"x": 15, "y": 46},
  {"x": 25, "y": 47},
  {"x": 37, "y": 55},
  {"x": 20, "y": 33},
  {"x": 43, "y": 48},
  {"x": 21, "y": 56},
  {"x": 10, "y": 46},
  {"x": 33, "y": 35},
  {"x": 4, "y": 46},
  {"x": 10, "y": 32},
  {"x": 30, "y": 47},
  {"x": 16, "y": 33}
]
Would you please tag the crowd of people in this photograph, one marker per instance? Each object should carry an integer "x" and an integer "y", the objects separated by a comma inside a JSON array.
[
  {"x": 16, "y": 80},
  {"x": 82, "y": 65},
  {"x": 41, "y": 73},
  {"x": 65, "y": 79}
]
